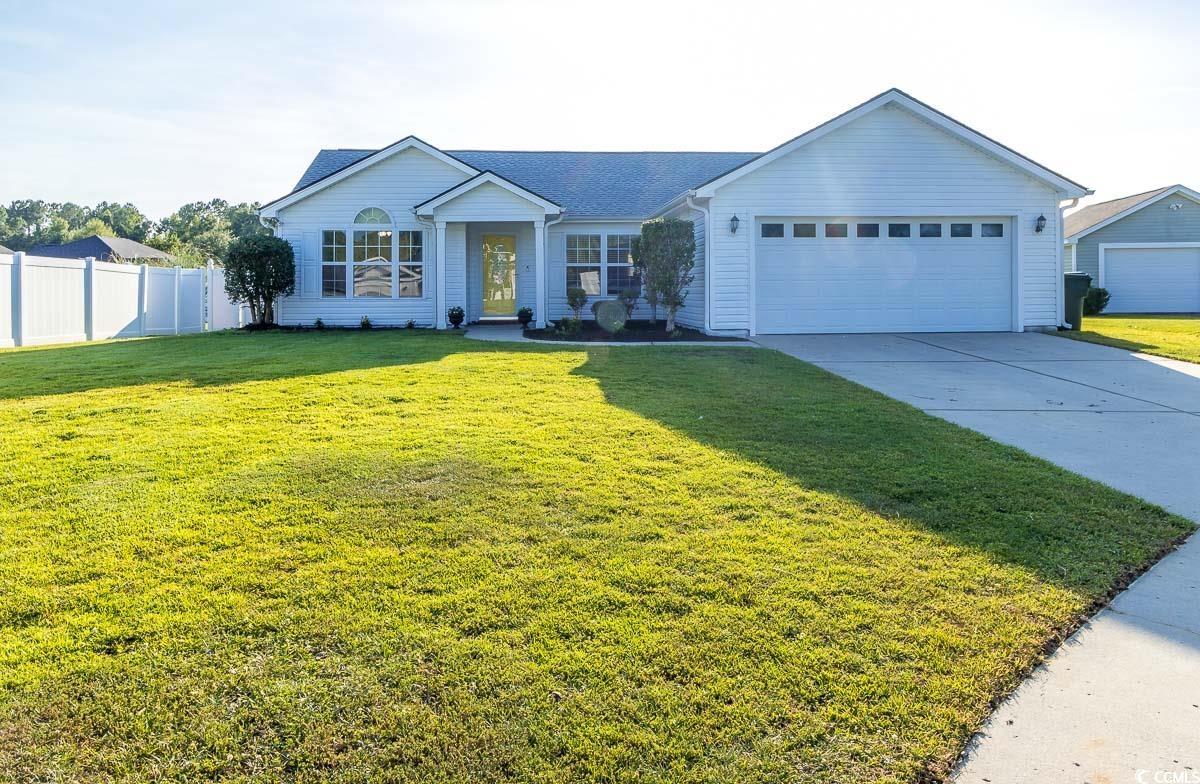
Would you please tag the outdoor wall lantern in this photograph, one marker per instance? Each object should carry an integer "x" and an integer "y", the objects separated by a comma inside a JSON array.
[
  {"x": 733, "y": 224},
  {"x": 1040, "y": 225}
]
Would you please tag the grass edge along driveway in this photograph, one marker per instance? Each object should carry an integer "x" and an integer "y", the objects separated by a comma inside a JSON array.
[
  {"x": 1172, "y": 336},
  {"x": 408, "y": 557}
]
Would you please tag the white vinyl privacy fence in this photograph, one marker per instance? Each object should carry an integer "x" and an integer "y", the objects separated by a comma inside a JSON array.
[{"x": 48, "y": 300}]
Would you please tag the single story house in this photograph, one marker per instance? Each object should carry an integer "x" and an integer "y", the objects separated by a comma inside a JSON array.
[
  {"x": 1145, "y": 249},
  {"x": 102, "y": 249},
  {"x": 890, "y": 217}
]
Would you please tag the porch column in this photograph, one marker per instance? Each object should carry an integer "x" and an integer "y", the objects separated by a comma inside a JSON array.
[
  {"x": 539, "y": 272},
  {"x": 439, "y": 297}
]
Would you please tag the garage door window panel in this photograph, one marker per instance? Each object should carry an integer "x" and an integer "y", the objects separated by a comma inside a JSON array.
[
  {"x": 899, "y": 230},
  {"x": 867, "y": 230},
  {"x": 929, "y": 230},
  {"x": 804, "y": 230},
  {"x": 959, "y": 230},
  {"x": 991, "y": 230},
  {"x": 772, "y": 230},
  {"x": 836, "y": 230}
]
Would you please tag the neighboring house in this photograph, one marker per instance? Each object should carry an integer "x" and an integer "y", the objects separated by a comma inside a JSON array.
[
  {"x": 1145, "y": 249},
  {"x": 5, "y": 251},
  {"x": 889, "y": 217},
  {"x": 102, "y": 249}
]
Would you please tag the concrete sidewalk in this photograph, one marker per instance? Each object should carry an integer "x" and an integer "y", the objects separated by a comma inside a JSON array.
[{"x": 1123, "y": 694}]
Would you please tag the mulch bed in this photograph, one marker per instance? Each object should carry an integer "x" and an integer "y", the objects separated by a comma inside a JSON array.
[{"x": 634, "y": 332}]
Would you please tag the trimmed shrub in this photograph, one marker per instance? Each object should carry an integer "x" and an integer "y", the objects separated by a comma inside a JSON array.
[
  {"x": 455, "y": 316},
  {"x": 629, "y": 298},
  {"x": 568, "y": 327},
  {"x": 1095, "y": 302},
  {"x": 576, "y": 299},
  {"x": 364, "y": 323},
  {"x": 524, "y": 316},
  {"x": 662, "y": 257},
  {"x": 258, "y": 271}
]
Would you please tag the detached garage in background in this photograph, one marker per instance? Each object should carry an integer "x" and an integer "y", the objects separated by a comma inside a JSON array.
[{"x": 1145, "y": 249}]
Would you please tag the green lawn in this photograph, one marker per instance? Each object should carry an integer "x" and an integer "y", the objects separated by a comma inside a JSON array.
[
  {"x": 394, "y": 556},
  {"x": 1177, "y": 337}
]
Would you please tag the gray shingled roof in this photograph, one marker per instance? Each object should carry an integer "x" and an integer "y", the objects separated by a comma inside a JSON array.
[
  {"x": 585, "y": 184},
  {"x": 1089, "y": 216},
  {"x": 102, "y": 248},
  {"x": 5, "y": 251}
]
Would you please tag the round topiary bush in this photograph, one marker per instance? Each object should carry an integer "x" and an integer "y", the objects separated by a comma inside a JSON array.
[{"x": 610, "y": 316}]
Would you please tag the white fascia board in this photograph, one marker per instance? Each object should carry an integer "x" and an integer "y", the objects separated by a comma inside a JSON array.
[
  {"x": 1178, "y": 189},
  {"x": 271, "y": 209},
  {"x": 935, "y": 118}
]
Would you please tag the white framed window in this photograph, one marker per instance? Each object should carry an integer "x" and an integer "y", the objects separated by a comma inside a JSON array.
[
  {"x": 618, "y": 263},
  {"x": 372, "y": 262},
  {"x": 410, "y": 257},
  {"x": 333, "y": 263},
  {"x": 583, "y": 263},
  {"x": 372, "y": 259}
]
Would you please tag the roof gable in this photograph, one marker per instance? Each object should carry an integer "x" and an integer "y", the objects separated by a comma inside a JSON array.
[
  {"x": 486, "y": 179},
  {"x": 330, "y": 174},
  {"x": 922, "y": 110},
  {"x": 1096, "y": 216}
]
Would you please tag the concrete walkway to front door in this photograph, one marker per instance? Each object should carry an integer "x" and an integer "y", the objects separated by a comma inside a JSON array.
[{"x": 1123, "y": 694}]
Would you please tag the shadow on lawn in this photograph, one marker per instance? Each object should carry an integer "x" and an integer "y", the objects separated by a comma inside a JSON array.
[
  {"x": 213, "y": 359},
  {"x": 833, "y": 436}
]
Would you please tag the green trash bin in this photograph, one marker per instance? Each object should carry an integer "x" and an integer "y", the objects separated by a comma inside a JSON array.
[{"x": 1075, "y": 289}]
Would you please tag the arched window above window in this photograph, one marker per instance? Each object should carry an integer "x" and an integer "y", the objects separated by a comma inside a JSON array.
[{"x": 373, "y": 216}]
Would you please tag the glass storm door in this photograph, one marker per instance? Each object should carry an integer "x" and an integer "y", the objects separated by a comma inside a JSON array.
[{"x": 499, "y": 275}]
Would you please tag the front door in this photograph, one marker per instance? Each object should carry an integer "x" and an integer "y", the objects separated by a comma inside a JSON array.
[{"x": 499, "y": 275}]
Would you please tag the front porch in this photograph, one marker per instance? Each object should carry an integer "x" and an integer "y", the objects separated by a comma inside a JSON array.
[{"x": 490, "y": 249}]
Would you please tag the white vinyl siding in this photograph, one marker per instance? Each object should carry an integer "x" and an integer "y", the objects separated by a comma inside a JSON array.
[
  {"x": 394, "y": 185},
  {"x": 692, "y": 312},
  {"x": 489, "y": 202},
  {"x": 556, "y": 269},
  {"x": 888, "y": 162}
]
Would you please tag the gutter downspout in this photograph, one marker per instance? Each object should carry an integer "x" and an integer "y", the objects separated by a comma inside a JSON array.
[
  {"x": 1062, "y": 208},
  {"x": 544, "y": 307},
  {"x": 708, "y": 287}
]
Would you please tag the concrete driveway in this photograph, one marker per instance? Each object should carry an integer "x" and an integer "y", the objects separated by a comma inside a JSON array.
[{"x": 1123, "y": 694}]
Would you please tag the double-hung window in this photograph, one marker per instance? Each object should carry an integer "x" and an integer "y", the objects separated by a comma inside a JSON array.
[
  {"x": 333, "y": 263},
  {"x": 411, "y": 271},
  {"x": 601, "y": 264},
  {"x": 619, "y": 274},
  {"x": 583, "y": 263}
]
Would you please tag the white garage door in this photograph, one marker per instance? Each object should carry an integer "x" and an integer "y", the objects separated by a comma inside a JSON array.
[
  {"x": 883, "y": 275},
  {"x": 1152, "y": 280}
]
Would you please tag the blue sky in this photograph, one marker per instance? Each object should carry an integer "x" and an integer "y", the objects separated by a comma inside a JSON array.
[{"x": 164, "y": 103}]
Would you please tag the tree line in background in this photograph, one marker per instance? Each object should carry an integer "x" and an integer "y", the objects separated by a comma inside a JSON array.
[{"x": 193, "y": 233}]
